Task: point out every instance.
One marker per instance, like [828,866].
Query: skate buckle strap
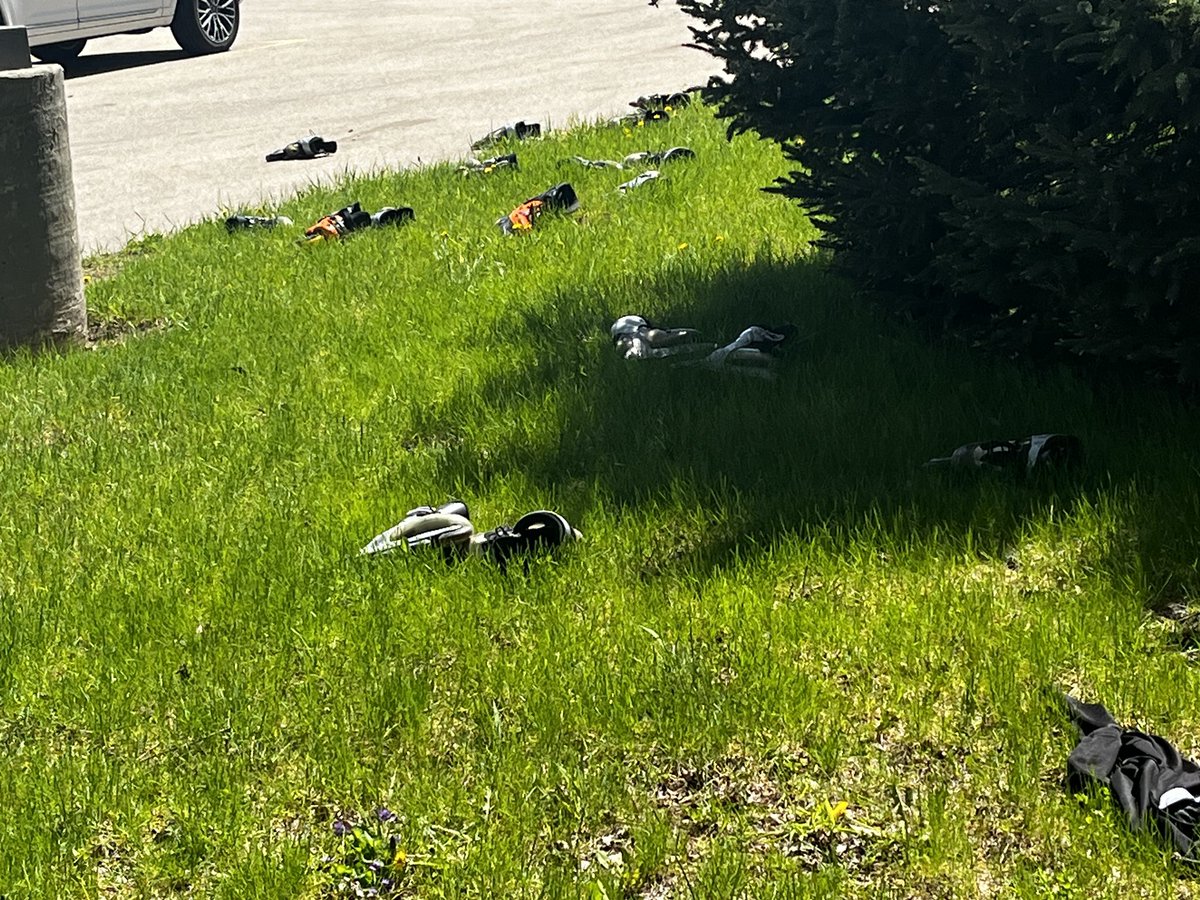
[328,227]
[523,217]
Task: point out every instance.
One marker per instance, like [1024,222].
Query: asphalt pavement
[159,140]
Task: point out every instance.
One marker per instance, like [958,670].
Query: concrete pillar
[41,282]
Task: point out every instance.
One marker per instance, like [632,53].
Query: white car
[58,29]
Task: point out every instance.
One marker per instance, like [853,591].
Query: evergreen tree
[1021,170]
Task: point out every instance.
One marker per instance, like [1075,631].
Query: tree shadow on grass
[1155,556]
[835,446]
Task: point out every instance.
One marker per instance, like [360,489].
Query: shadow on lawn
[835,445]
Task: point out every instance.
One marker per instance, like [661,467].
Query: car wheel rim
[217,19]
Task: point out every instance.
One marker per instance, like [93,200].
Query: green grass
[775,610]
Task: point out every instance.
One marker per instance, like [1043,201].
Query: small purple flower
[341,827]
[384,814]
[375,865]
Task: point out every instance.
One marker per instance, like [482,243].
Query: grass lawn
[785,661]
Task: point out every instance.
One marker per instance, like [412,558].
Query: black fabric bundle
[1152,784]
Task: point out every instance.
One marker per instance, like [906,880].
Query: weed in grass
[117,329]
[100,266]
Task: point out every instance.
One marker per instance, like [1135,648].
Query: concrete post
[41,281]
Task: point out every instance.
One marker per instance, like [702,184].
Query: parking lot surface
[159,140]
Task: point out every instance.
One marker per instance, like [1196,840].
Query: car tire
[61,53]
[206,26]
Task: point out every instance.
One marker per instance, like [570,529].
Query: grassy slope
[775,610]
